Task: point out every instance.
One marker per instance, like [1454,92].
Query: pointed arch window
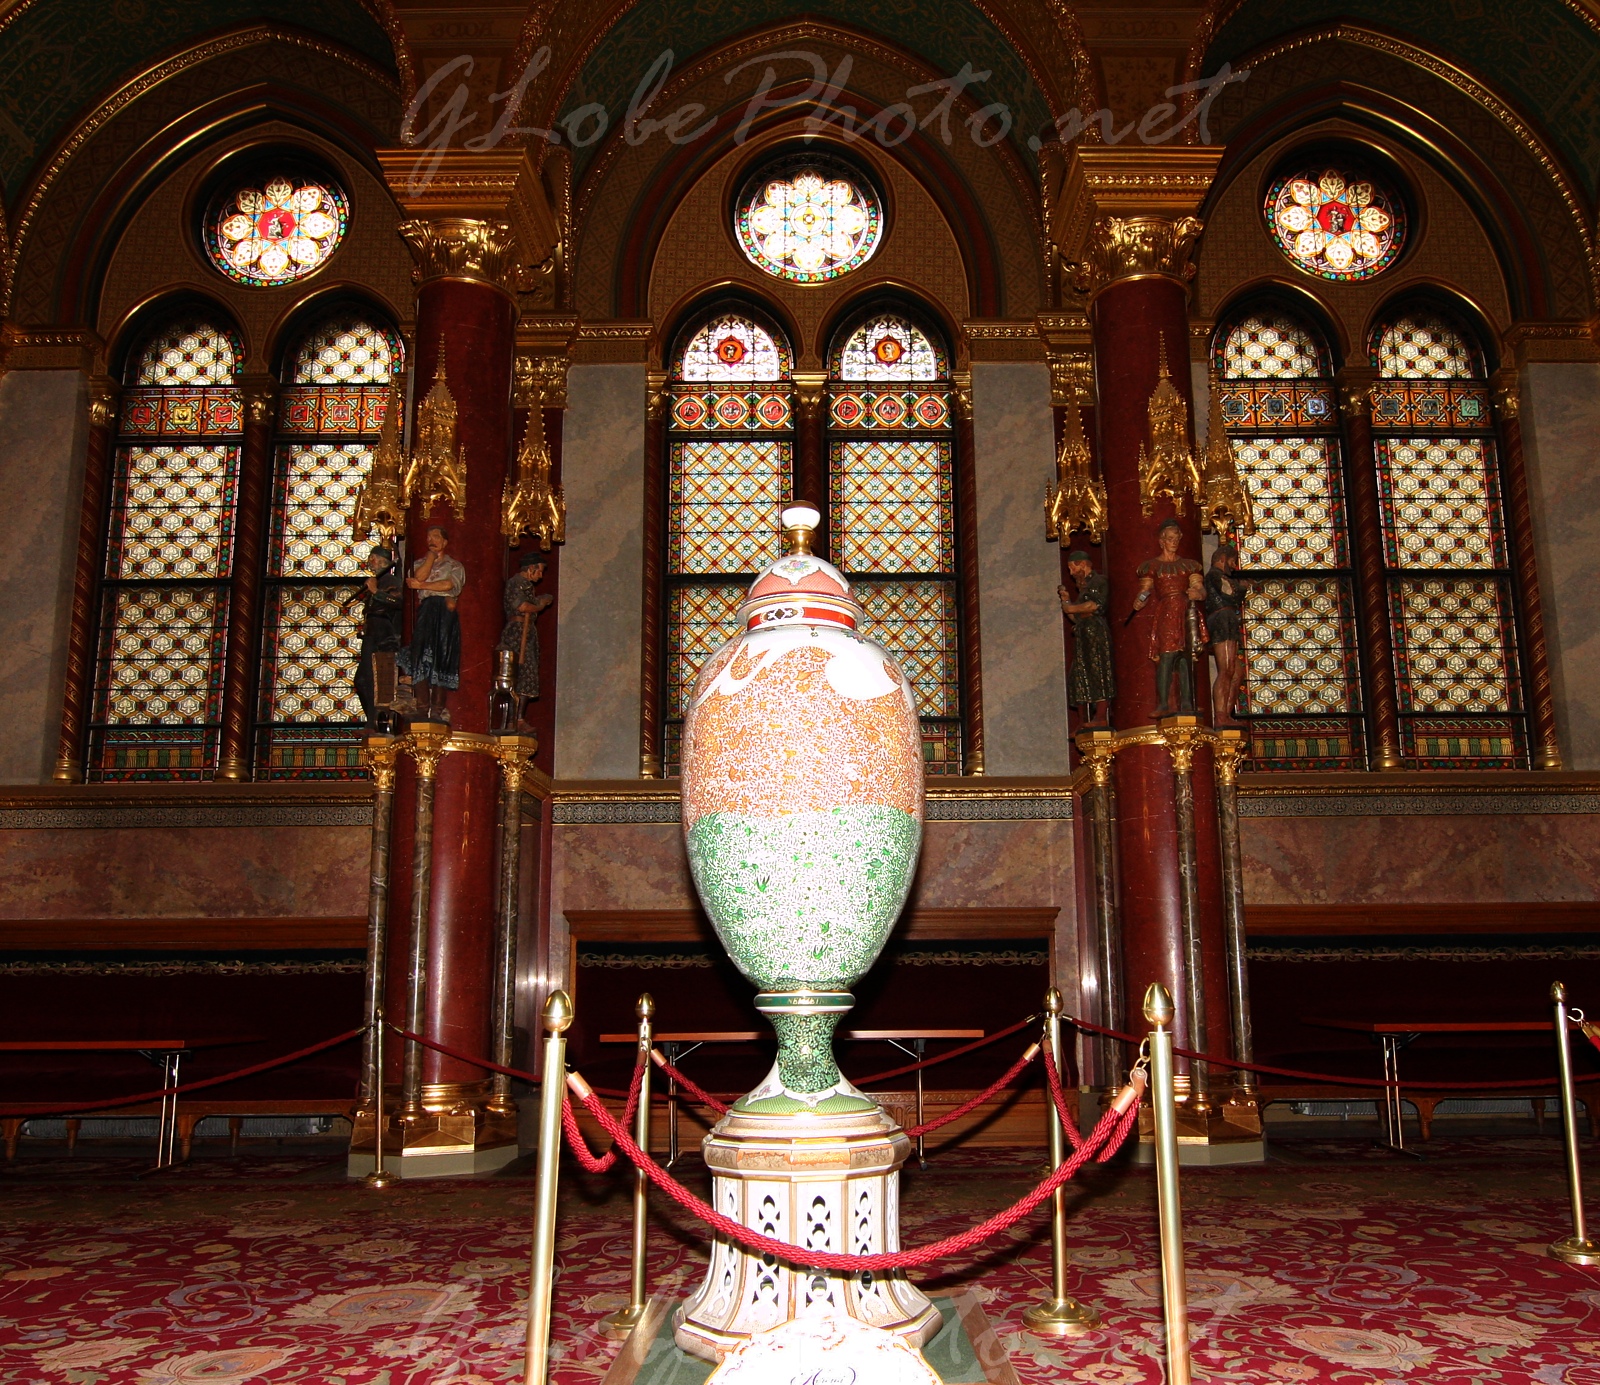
[1303,692]
[334,391]
[1445,549]
[891,510]
[157,701]
[730,458]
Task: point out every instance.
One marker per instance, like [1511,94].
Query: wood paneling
[919,925]
[183,935]
[1376,920]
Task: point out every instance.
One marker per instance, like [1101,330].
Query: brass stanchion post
[624,1320]
[541,1281]
[380,1177]
[1060,1315]
[1576,1249]
[1158,1010]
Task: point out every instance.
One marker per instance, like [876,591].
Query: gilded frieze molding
[1552,341]
[50,348]
[462,248]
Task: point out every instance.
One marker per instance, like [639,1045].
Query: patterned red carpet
[1334,1264]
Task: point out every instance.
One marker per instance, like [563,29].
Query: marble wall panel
[1024,676]
[191,872]
[597,695]
[1481,858]
[1561,437]
[43,432]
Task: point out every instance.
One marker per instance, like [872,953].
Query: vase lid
[800,587]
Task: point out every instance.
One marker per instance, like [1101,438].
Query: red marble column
[967,556]
[79,682]
[469,322]
[1132,318]
[243,656]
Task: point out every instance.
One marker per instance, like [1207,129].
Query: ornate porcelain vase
[802,809]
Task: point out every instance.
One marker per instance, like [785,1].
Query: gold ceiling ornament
[1076,500]
[1224,496]
[530,504]
[381,502]
[1167,468]
[462,247]
[436,472]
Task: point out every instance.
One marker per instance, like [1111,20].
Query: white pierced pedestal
[827,1182]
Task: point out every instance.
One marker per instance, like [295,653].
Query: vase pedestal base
[830,1182]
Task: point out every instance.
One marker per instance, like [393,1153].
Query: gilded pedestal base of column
[456,1133]
[830,1182]
[1229,1132]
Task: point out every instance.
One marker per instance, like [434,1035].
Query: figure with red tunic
[1176,629]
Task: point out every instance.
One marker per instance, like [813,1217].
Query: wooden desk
[678,1045]
[1394,1035]
[166,1054]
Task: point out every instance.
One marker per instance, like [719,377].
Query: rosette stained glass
[164,610]
[330,410]
[730,455]
[892,513]
[1450,598]
[1302,690]
[276,230]
[1336,223]
[809,221]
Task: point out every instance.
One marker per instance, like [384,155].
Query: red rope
[946,1057]
[599,1163]
[1069,1120]
[160,1092]
[1326,1076]
[1006,1079]
[484,1062]
[1592,1030]
[698,1092]
[1114,1125]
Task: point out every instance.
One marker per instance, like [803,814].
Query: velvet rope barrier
[1591,1032]
[527,1077]
[591,1162]
[118,1102]
[1104,1141]
[694,1089]
[1325,1076]
[1069,1121]
[1005,1079]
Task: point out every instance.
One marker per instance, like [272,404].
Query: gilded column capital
[1181,734]
[462,248]
[104,394]
[810,387]
[1136,247]
[1128,212]
[426,744]
[655,386]
[961,389]
[1356,383]
[382,754]
[1507,385]
[489,208]
[1229,750]
[260,396]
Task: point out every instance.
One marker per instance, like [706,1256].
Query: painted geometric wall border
[1380,805]
[1055,808]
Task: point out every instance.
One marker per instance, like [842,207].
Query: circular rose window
[276,230]
[808,220]
[1335,223]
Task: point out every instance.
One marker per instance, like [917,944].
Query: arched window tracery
[730,459]
[1445,547]
[892,510]
[157,702]
[331,405]
[1303,692]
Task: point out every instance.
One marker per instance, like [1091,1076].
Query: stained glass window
[730,451]
[891,515]
[157,703]
[808,220]
[1450,599]
[1335,222]
[1303,692]
[276,229]
[308,720]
